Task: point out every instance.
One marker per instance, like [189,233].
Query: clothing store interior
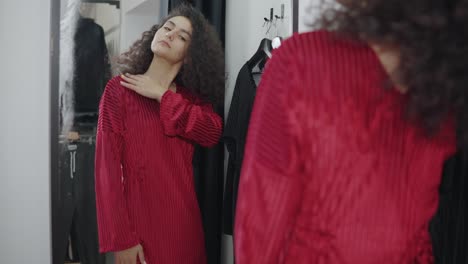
[98,170]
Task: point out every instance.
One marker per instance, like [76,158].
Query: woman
[149,120]
[339,169]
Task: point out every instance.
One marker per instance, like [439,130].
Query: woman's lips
[165,43]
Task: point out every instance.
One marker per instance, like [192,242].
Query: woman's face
[172,40]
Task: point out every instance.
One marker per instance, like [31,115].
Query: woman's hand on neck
[163,72]
[145,86]
[156,81]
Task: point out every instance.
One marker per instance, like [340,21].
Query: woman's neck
[390,60]
[163,72]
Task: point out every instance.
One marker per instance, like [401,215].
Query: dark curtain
[214,11]
[449,227]
[208,164]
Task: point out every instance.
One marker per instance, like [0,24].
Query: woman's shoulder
[321,44]
[115,87]
[310,37]
[114,91]
[320,37]
[114,83]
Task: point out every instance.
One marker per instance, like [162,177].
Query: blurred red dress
[333,172]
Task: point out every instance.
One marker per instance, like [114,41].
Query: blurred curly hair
[432,37]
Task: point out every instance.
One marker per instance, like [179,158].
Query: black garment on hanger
[75,205]
[236,127]
[92,66]
[262,54]
[235,134]
[449,227]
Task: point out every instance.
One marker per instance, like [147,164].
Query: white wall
[108,17]
[137,17]
[310,10]
[24,132]
[244,31]
[304,16]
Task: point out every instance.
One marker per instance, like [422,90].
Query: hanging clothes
[235,133]
[74,212]
[75,199]
[449,227]
[92,66]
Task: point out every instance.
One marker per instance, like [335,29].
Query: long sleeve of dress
[270,188]
[116,231]
[195,122]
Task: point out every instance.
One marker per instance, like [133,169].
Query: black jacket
[92,67]
[235,134]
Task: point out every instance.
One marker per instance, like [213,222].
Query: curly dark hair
[203,73]
[432,38]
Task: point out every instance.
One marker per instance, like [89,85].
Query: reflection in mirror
[89,44]
[125,184]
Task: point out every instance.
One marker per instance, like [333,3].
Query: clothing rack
[83,138]
[111,2]
[86,114]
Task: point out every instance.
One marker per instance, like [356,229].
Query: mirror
[132,173]
[88,48]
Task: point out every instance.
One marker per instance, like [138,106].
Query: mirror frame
[54,67]
[295,15]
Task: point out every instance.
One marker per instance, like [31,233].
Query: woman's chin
[158,52]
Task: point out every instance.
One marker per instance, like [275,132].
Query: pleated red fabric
[333,172]
[145,189]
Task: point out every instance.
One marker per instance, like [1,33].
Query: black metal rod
[111,2]
[295,18]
